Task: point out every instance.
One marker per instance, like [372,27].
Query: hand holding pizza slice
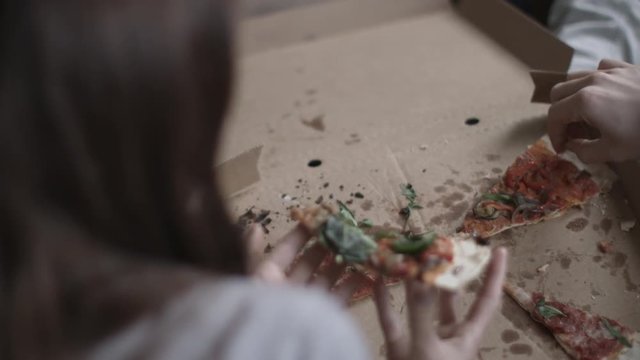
[447,262]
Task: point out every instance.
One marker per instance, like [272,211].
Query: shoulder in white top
[237,319]
[598,29]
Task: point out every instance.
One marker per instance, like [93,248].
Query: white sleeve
[240,320]
[598,29]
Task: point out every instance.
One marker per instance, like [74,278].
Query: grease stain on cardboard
[577,225]
[509,336]
[316,123]
[521,349]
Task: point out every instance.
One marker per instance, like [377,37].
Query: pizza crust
[469,260]
[601,173]
[632,353]
[553,215]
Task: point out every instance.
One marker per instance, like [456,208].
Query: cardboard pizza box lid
[370,102]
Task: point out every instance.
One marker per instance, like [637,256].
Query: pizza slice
[538,186]
[366,289]
[445,261]
[582,335]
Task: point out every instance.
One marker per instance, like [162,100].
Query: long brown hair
[109,112]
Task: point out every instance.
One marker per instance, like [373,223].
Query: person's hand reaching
[450,338]
[596,114]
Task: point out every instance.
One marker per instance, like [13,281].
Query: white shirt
[598,29]
[241,320]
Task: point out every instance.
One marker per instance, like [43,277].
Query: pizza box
[349,99]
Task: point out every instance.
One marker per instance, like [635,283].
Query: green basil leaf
[616,333]
[350,242]
[385,235]
[365,223]
[405,212]
[499,197]
[413,244]
[346,214]
[484,210]
[409,193]
[548,311]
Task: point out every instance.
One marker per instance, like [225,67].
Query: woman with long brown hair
[115,243]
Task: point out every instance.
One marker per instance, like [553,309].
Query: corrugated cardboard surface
[387,104]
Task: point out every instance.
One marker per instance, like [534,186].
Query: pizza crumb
[543,269]
[605,246]
[627,225]
[251,217]
[268,248]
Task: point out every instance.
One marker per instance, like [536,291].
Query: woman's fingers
[561,114]
[254,239]
[273,268]
[421,299]
[607,64]
[349,283]
[581,79]
[396,341]
[578,74]
[448,320]
[328,273]
[287,249]
[590,151]
[269,272]
[570,87]
[303,268]
[447,307]
[488,300]
[265,270]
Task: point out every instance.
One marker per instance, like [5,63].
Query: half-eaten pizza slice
[538,186]
[584,336]
[445,261]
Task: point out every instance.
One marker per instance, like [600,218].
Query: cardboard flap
[239,173]
[517,33]
[544,81]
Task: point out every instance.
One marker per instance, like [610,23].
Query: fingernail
[502,250]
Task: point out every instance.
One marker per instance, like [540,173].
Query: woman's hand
[316,266]
[607,100]
[450,338]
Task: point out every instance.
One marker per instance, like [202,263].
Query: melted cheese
[469,260]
